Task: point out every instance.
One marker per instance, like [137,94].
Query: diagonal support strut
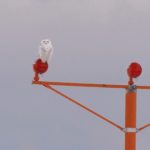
[82,106]
[145,126]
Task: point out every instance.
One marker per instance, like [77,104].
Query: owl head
[45,41]
[46,44]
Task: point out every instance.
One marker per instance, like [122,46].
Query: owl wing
[43,54]
[49,54]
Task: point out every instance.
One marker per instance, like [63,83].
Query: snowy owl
[46,50]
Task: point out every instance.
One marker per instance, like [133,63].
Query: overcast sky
[94,41]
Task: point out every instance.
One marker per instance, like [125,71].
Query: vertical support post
[36,77]
[130,118]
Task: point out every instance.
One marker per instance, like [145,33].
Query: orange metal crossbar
[145,126]
[89,85]
[143,87]
[82,106]
[80,84]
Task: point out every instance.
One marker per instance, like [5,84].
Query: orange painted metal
[145,126]
[130,120]
[82,106]
[36,77]
[130,106]
[130,141]
[76,84]
[81,84]
[143,87]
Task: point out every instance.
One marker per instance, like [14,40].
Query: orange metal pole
[130,119]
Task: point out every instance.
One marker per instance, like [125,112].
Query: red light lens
[134,70]
[40,67]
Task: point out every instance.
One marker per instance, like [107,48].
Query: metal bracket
[132,88]
[130,130]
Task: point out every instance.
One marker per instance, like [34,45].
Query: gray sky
[94,41]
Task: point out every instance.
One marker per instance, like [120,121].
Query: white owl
[46,50]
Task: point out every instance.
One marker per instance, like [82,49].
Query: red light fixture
[134,70]
[39,67]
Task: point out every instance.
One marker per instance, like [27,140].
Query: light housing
[134,70]
[40,67]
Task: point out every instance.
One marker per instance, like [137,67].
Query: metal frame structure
[130,130]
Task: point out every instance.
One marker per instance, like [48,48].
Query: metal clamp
[132,88]
[130,130]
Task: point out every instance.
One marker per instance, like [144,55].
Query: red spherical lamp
[134,70]
[39,67]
